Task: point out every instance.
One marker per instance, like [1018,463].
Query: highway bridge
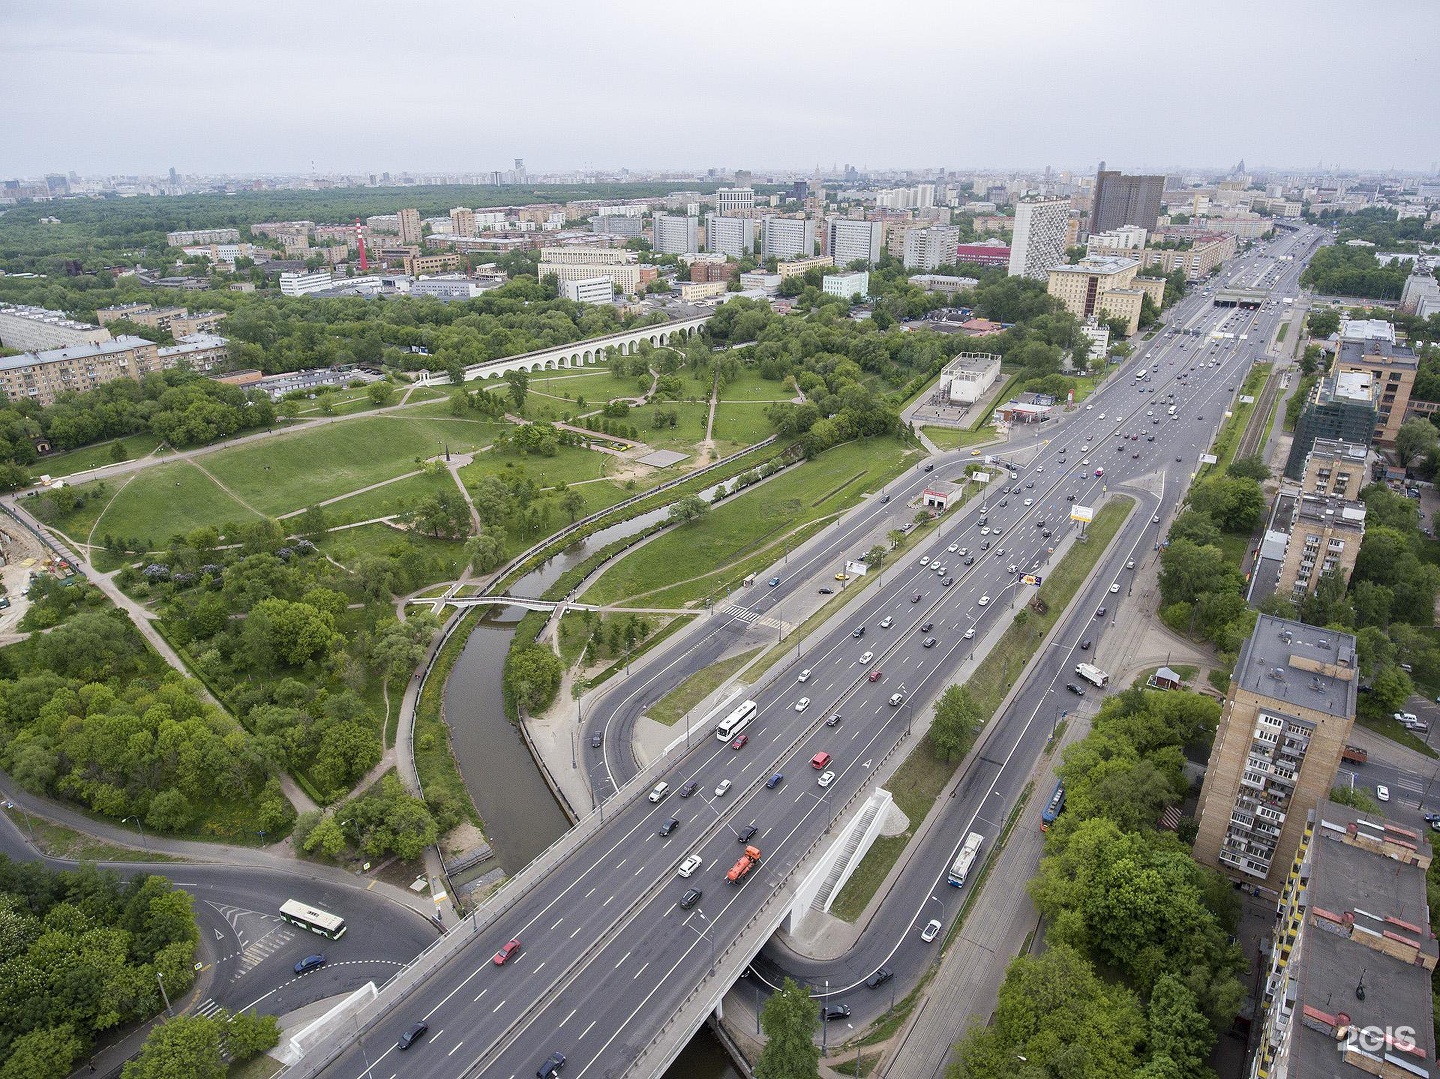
[613,971]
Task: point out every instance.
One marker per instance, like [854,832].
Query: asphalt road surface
[607,954]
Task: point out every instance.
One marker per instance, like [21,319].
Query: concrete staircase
[858,828]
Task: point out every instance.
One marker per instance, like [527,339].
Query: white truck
[1092,674]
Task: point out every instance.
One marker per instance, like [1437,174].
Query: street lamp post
[824,1018]
[160,977]
[139,828]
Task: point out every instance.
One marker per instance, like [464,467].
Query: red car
[820,760]
[506,952]
[876,674]
[740,742]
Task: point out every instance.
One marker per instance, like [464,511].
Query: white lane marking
[457,1046]
[639,972]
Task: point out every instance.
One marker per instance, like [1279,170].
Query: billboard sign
[1083,514]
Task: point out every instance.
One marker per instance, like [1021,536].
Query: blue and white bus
[1054,809]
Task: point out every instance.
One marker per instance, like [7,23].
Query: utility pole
[166,996]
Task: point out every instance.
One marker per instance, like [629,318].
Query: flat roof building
[300,284]
[786,237]
[1124,200]
[732,200]
[1038,241]
[30,328]
[202,236]
[1324,538]
[731,236]
[946,283]
[847,285]
[1342,407]
[1104,285]
[795,267]
[848,241]
[1348,981]
[964,380]
[198,351]
[43,376]
[676,235]
[1126,240]
[931,248]
[1287,716]
[984,253]
[588,290]
[1393,369]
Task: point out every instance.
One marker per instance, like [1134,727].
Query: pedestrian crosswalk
[750,617]
[257,951]
[207,1007]
[258,934]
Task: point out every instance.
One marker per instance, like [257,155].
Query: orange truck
[741,869]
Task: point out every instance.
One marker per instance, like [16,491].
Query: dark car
[1069,498]
[969,561]
[859,631]
[879,978]
[309,963]
[929,642]
[927,627]
[833,721]
[744,835]
[827,591]
[1100,613]
[947,582]
[1085,645]
[412,1035]
[670,825]
[1047,534]
[837,1011]
[690,898]
[597,740]
[551,1067]
[1073,688]
[775,780]
[689,789]
[915,598]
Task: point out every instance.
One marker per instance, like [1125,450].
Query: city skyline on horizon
[320,90]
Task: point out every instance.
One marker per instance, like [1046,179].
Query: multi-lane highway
[607,953]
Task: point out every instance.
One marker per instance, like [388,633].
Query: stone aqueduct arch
[580,354]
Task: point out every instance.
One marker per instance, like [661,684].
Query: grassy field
[59,841]
[954,438]
[740,423]
[67,464]
[687,563]
[434,764]
[353,544]
[387,500]
[162,501]
[919,780]
[1228,440]
[751,387]
[298,470]
[672,707]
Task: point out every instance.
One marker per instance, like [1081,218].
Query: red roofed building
[984,254]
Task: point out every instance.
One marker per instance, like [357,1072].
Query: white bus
[965,860]
[736,721]
[313,919]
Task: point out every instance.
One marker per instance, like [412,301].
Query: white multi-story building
[202,236]
[588,290]
[676,235]
[846,285]
[965,379]
[929,249]
[31,329]
[732,200]
[1126,240]
[1038,241]
[787,237]
[576,264]
[729,235]
[298,284]
[847,240]
[949,285]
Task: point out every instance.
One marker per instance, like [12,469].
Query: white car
[925,560]
[953,548]
[826,778]
[984,601]
[886,622]
[722,788]
[866,658]
[931,930]
[1029,502]
[1114,588]
[804,675]
[1102,415]
[658,791]
[802,704]
[970,634]
[1382,792]
[1089,408]
[940,571]
[985,531]
[689,865]
[1086,461]
[1085,448]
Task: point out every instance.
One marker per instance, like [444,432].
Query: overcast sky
[255,86]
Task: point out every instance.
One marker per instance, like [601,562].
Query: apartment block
[1038,242]
[1127,240]
[198,351]
[462,221]
[177,321]
[630,226]
[299,284]
[1348,979]
[795,267]
[787,237]
[763,280]
[1285,720]
[417,264]
[1335,468]
[701,272]
[43,376]
[1204,255]
[732,236]
[676,235]
[409,227]
[690,291]
[1393,368]
[846,285]
[929,249]
[1342,407]
[1104,285]
[734,200]
[848,241]
[575,264]
[1124,200]
[30,328]
[1324,538]
[588,290]
[202,236]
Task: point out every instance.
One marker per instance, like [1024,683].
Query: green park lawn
[751,387]
[158,503]
[387,500]
[570,464]
[67,464]
[355,544]
[747,532]
[741,423]
[954,438]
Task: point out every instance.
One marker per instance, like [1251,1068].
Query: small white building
[300,284]
[1099,335]
[588,290]
[847,285]
[764,280]
[966,378]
